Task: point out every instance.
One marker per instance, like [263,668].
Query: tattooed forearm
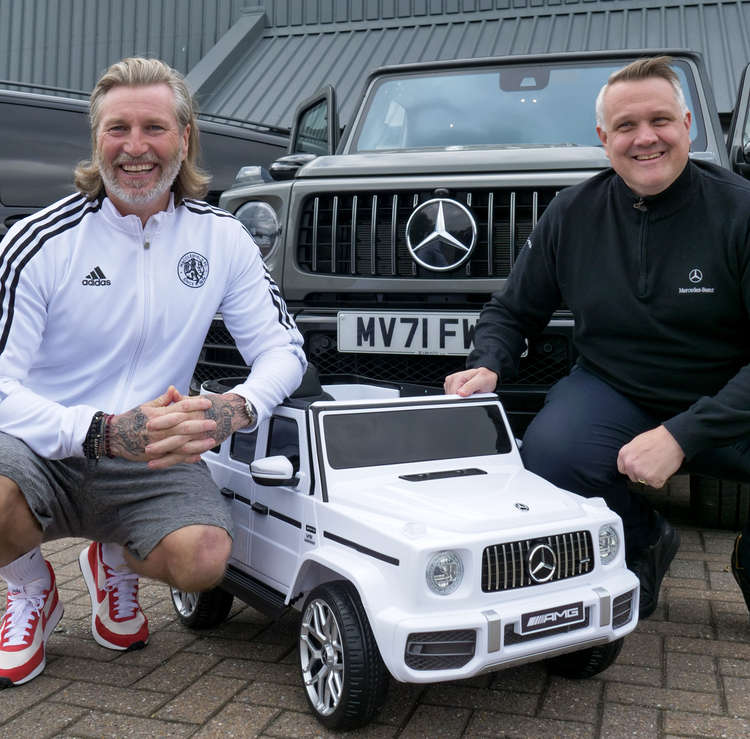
[229,413]
[129,435]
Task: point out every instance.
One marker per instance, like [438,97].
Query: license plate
[407,333]
[553,618]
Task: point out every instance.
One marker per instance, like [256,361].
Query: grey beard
[140,197]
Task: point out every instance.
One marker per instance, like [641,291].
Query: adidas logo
[96,278]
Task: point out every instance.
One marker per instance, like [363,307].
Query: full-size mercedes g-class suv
[407,532]
[386,250]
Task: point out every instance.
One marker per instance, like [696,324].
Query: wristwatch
[252,414]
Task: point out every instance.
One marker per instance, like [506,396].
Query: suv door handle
[260,508]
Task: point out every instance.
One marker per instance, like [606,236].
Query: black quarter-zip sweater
[660,291]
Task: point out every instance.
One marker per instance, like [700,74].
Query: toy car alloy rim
[184,602]
[321,656]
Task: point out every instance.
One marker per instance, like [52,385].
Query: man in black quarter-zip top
[652,258]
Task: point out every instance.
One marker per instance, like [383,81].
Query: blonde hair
[191,180]
[641,69]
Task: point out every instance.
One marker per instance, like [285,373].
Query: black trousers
[574,441]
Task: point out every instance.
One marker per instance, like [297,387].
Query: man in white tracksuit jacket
[105,299]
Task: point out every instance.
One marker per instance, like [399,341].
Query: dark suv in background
[43,137]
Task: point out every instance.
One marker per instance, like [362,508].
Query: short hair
[642,69]
[191,180]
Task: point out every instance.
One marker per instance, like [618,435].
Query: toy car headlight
[609,544]
[261,221]
[444,573]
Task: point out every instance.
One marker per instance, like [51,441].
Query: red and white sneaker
[30,618]
[117,621]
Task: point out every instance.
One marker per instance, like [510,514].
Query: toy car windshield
[368,438]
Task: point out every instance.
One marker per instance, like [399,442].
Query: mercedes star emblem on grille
[441,234]
[542,563]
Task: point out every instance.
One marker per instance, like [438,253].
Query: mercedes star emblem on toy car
[441,234]
[542,563]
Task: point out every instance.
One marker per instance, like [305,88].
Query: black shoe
[653,563]
[740,572]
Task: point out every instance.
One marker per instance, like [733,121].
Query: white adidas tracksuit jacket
[98,312]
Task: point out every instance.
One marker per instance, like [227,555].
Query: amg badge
[553,618]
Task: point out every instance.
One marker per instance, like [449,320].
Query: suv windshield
[370,438]
[512,105]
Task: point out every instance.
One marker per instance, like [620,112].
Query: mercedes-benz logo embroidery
[695,275]
[441,234]
[542,563]
[192,269]
[521,506]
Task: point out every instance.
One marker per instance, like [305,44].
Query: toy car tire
[342,671]
[585,662]
[202,610]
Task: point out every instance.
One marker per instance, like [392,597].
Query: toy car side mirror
[270,471]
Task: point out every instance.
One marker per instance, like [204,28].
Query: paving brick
[691,569]
[288,697]
[231,648]
[575,700]
[619,722]
[105,673]
[291,725]
[734,667]
[238,720]
[438,722]
[683,700]
[201,700]
[695,724]
[737,690]
[108,698]
[176,674]
[400,702]
[709,646]
[525,679]
[641,649]
[41,722]
[161,646]
[689,611]
[668,628]
[20,699]
[491,700]
[484,723]
[248,669]
[114,725]
[632,674]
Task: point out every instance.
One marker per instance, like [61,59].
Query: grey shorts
[113,499]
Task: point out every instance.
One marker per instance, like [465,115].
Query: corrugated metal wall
[69,43]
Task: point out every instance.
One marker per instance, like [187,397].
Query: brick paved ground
[684,672]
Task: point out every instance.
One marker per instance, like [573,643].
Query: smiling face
[646,135]
[139,147]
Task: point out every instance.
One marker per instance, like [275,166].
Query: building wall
[69,43]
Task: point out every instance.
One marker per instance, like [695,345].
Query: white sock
[114,556]
[28,568]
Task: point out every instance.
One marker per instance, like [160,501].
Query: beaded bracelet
[92,443]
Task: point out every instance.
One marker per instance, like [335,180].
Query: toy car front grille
[622,609]
[506,566]
[440,650]
[363,234]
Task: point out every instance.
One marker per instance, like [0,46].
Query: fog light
[609,544]
[445,570]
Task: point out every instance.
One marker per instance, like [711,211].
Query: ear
[687,120]
[602,134]
[185,142]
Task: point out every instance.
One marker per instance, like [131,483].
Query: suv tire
[342,671]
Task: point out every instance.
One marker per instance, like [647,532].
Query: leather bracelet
[108,435]
[93,442]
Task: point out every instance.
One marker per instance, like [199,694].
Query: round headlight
[261,221]
[445,570]
[609,544]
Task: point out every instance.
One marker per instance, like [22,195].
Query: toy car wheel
[343,673]
[202,610]
[586,662]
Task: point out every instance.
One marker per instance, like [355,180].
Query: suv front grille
[364,234]
[506,566]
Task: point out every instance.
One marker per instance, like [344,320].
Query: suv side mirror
[273,471]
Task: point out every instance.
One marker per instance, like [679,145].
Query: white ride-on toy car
[413,541]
